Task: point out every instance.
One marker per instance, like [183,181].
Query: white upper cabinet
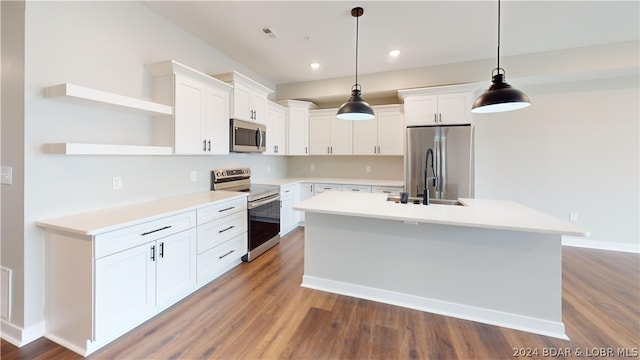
[249,98]
[201,111]
[297,126]
[329,135]
[382,136]
[276,122]
[437,106]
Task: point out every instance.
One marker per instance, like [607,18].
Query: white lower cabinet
[391,190]
[320,188]
[132,284]
[356,188]
[288,195]
[101,286]
[222,238]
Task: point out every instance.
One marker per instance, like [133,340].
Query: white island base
[496,276]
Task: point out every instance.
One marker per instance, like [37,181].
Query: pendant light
[356,108]
[500,96]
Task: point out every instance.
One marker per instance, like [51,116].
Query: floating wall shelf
[106,149]
[113,101]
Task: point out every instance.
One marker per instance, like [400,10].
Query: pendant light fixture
[500,96]
[356,108]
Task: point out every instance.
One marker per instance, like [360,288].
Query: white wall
[574,150]
[101,45]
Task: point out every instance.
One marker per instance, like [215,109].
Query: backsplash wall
[350,167]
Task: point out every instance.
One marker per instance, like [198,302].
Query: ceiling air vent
[268,32]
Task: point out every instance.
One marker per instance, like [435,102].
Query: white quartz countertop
[101,221]
[371,182]
[492,214]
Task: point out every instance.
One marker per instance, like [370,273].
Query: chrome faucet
[425,199]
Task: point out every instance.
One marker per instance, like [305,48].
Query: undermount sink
[418,200]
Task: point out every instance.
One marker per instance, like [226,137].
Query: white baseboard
[18,336]
[486,316]
[600,245]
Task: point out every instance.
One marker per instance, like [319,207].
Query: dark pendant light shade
[356,108]
[500,96]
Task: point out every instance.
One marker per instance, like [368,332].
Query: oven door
[247,136]
[264,224]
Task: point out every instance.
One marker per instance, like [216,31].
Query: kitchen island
[496,262]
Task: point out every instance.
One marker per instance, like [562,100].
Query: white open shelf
[103,99]
[106,149]
[111,100]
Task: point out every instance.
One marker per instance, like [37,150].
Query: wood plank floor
[259,311]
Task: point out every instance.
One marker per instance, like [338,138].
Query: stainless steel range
[263,203]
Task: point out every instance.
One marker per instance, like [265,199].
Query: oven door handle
[255,204]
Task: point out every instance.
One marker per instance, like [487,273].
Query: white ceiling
[426,32]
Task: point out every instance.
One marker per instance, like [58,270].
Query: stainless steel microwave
[246,136]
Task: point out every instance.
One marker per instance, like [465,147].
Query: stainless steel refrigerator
[450,169]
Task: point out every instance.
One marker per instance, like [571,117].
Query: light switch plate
[194,176]
[6,175]
[117,183]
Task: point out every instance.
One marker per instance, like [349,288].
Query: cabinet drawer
[218,210]
[132,236]
[357,188]
[212,263]
[320,188]
[216,232]
[392,190]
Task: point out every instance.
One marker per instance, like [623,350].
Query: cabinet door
[275,120]
[176,266]
[365,136]
[124,289]
[259,107]
[215,122]
[188,114]
[287,217]
[241,102]
[390,133]
[306,191]
[341,136]
[298,131]
[420,110]
[455,108]
[319,134]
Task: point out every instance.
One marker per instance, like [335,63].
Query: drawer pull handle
[227,209]
[355,189]
[225,255]
[156,230]
[223,230]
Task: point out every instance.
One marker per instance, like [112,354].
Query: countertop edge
[372,212]
[57,223]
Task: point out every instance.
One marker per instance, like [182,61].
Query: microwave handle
[260,139]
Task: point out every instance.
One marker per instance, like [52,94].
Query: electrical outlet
[7,175]
[368,169]
[573,216]
[117,183]
[313,167]
[194,176]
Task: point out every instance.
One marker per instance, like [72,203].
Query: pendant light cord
[498,37]
[357,27]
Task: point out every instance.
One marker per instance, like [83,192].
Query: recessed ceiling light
[394,53]
[314,65]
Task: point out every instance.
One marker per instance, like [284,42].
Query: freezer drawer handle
[227,254]
[156,230]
